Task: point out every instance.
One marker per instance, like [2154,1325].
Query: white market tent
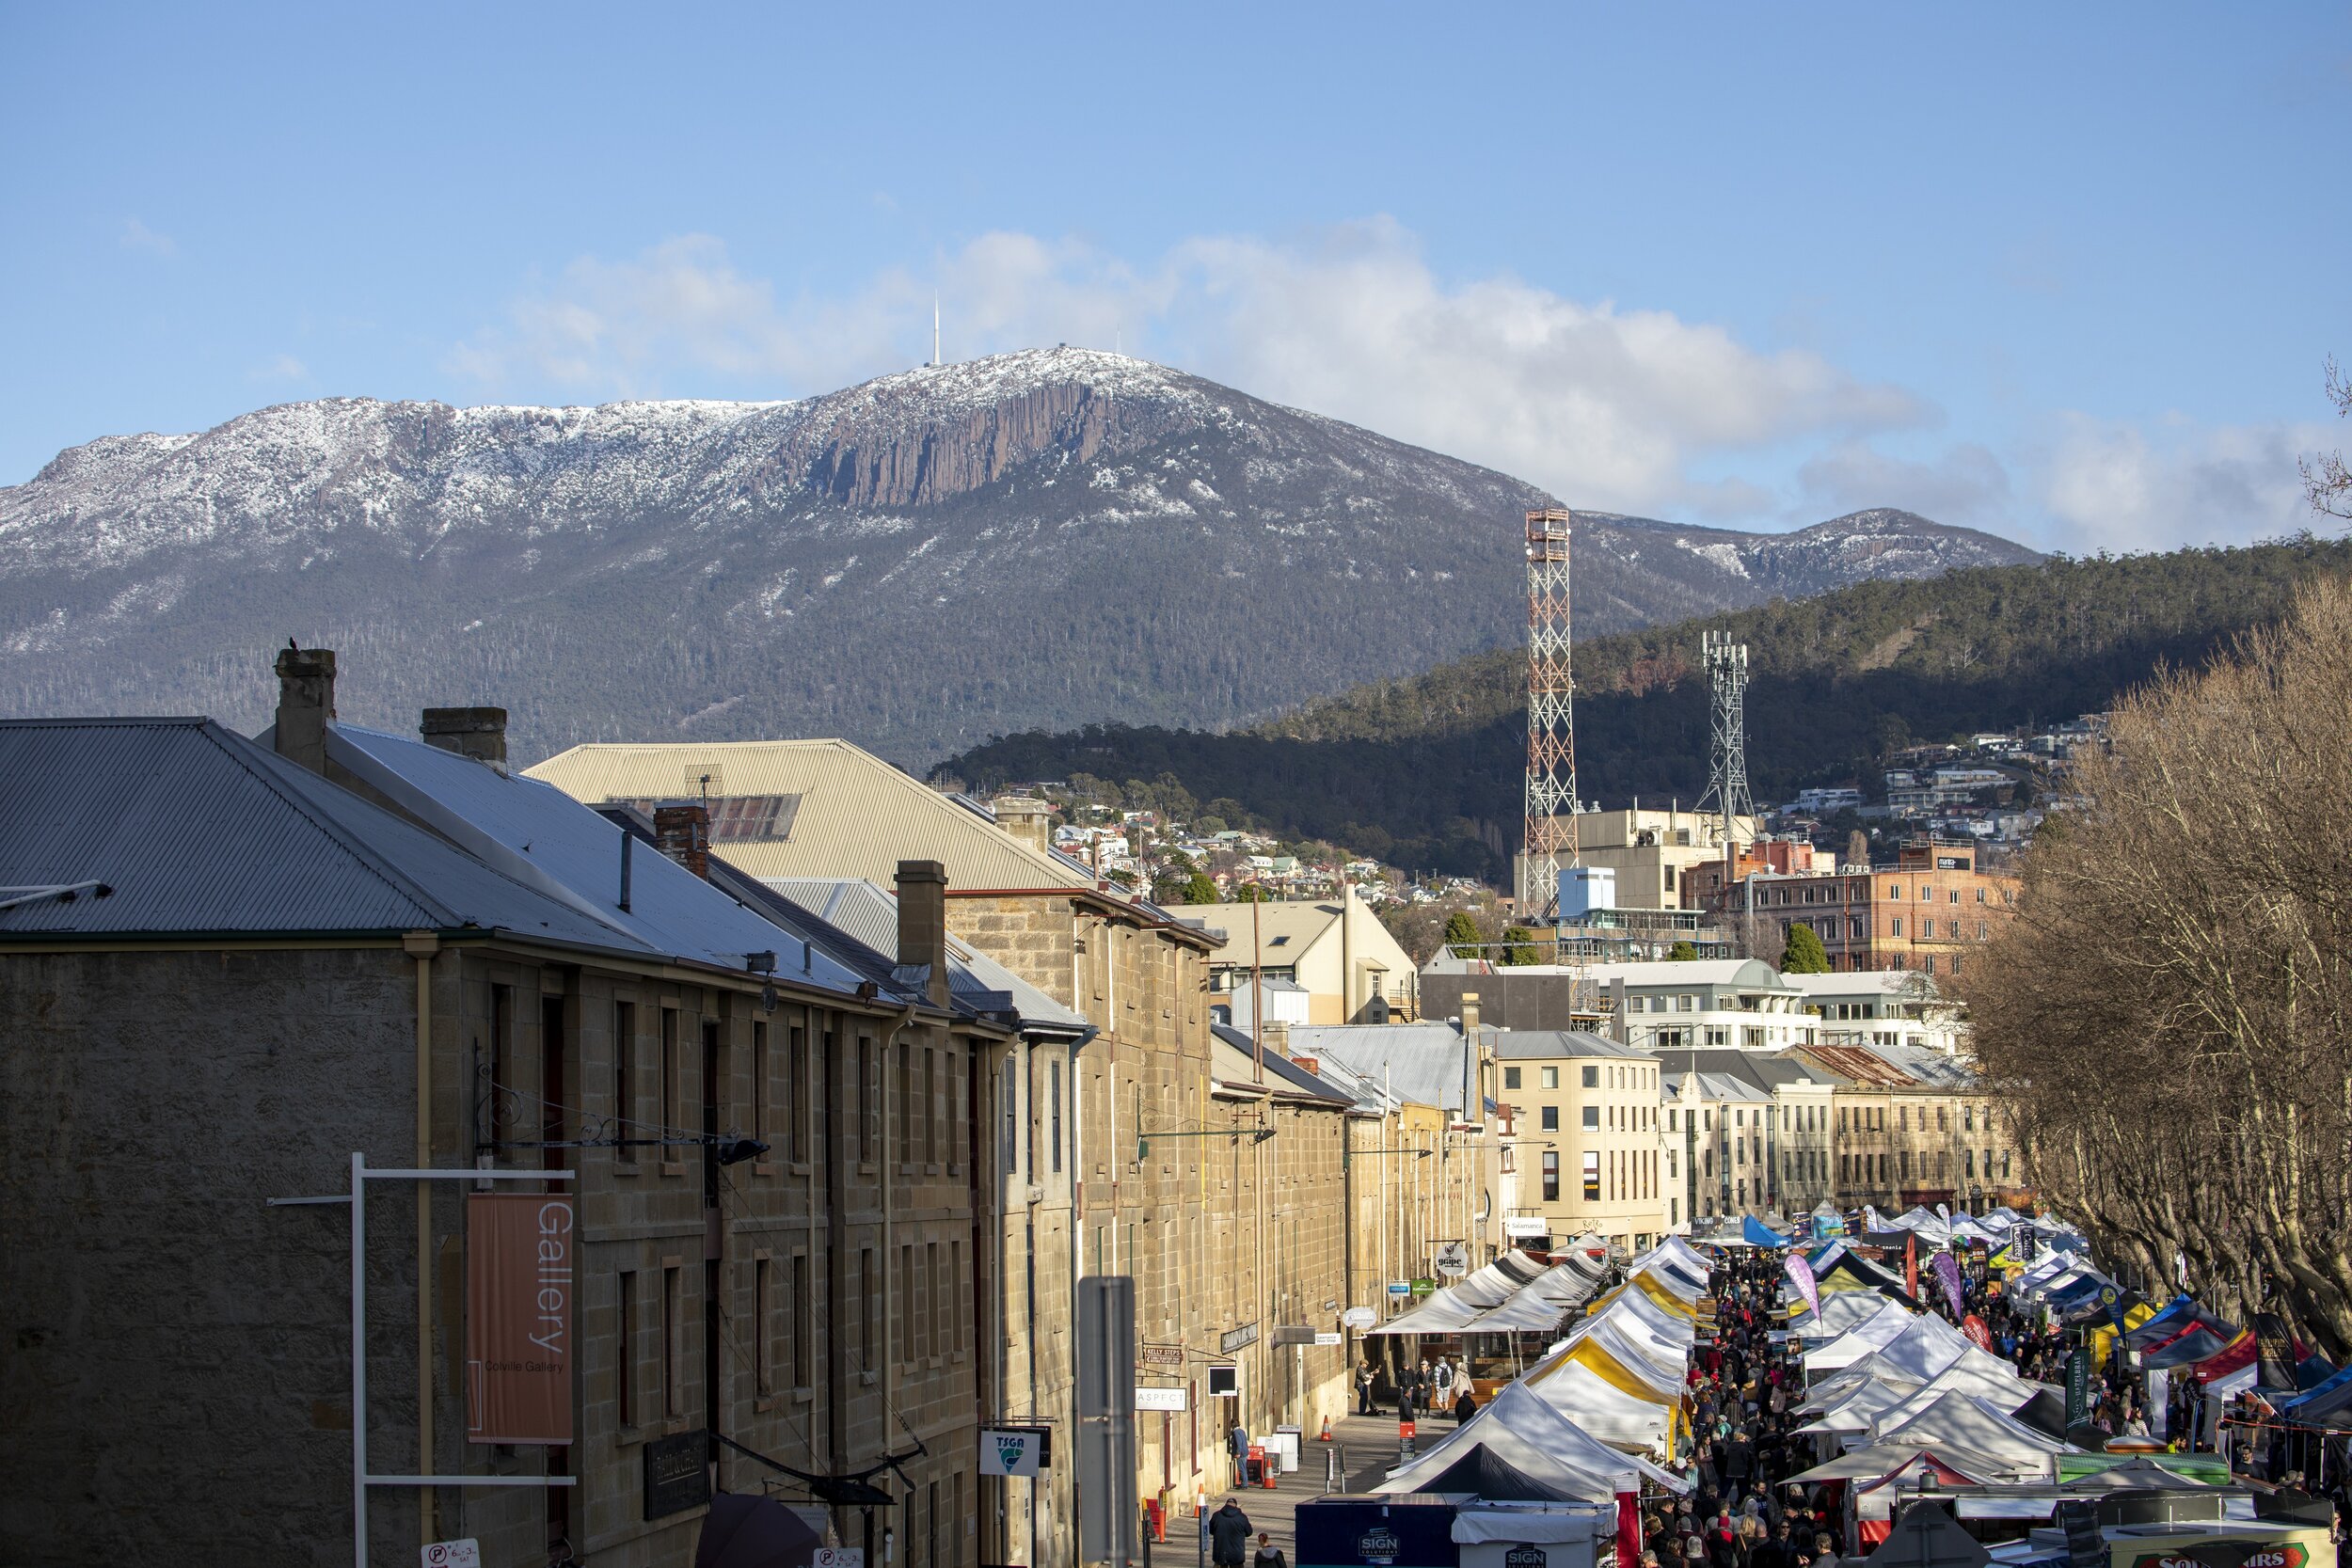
[1866,1339]
[1448,1312]
[1966,1422]
[1532,1436]
[1844,1310]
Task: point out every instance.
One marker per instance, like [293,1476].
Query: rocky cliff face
[1034,539]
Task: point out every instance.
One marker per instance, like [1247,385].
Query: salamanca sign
[519,1317]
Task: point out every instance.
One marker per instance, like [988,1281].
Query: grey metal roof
[1423,1063]
[870,914]
[543,838]
[1754,1067]
[198,831]
[1283,1073]
[1529,1044]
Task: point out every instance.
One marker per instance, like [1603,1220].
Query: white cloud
[284,367]
[2117,487]
[1609,407]
[137,236]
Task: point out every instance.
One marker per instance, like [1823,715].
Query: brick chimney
[479,733]
[1026,819]
[923,924]
[1309,1064]
[683,834]
[306,701]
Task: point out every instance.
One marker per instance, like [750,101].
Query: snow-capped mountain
[1042,538]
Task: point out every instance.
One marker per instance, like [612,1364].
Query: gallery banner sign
[519,1285]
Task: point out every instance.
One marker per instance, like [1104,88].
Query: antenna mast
[1728,755]
[1551,715]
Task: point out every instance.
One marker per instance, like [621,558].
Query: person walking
[1238,1440]
[1444,1379]
[1464,1406]
[1363,1388]
[1825,1552]
[1269,1555]
[1229,1535]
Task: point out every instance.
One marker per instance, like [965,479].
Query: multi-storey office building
[1582,1138]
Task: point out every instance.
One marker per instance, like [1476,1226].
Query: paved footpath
[1368,1445]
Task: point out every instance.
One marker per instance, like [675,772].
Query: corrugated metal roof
[1237,1059]
[1423,1063]
[870,914]
[1520,1045]
[542,837]
[859,817]
[201,831]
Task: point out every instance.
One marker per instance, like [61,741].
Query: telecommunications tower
[1551,715]
[1728,755]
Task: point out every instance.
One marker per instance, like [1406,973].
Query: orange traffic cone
[1327,1431]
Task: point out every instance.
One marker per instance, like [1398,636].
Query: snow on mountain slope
[934,556]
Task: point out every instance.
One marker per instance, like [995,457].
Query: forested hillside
[1426,772]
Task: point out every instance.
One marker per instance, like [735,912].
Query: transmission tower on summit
[1726,665]
[1552,801]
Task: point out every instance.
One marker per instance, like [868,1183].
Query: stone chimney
[1026,819]
[1470,1015]
[923,924]
[1619,1030]
[479,733]
[306,701]
[1277,1037]
[683,834]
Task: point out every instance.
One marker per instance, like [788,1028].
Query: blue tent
[1759,1234]
[2157,1330]
[2323,1392]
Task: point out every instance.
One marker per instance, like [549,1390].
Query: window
[1550,1118]
[796,1094]
[1510,1078]
[624,1073]
[1927,930]
[503,1105]
[1012,1116]
[1592,1119]
[935,1300]
[1669,1118]
[868,1331]
[671,1309]
[1980,930]
[1943,1121]
[669,1112]
[804,1341]
[1552,1176]
[1633,1005]
[1894,890]
[1547,1078]
[902,1108]
[930,1106]
[763,1332]
[760,1081]
[1592,1077]
[1055,1141]
[1592,1176]
[904,1298]
[1955,895]
[869,1135]
[1928,967]
[628,1338]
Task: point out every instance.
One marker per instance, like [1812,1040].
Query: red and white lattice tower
[1550,716]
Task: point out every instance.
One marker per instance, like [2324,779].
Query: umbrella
[744,1531]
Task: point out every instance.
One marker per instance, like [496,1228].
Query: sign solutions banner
[519,1317]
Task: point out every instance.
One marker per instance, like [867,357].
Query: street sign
[1400,1287]
[1359,1317]
[1234,1338]
[1425,1286]
[453,1554]
[1293,1334]
[1015,1451]
[1163,1356]
[1331,1338]
[839,1557]
[1527,1226]
[678,1474]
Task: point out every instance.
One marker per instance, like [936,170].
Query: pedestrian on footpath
[1269,1555]
[1363,1388]
[1229,1535]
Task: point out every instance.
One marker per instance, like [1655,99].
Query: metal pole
[358,1359]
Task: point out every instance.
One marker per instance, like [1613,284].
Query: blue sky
[2067,273]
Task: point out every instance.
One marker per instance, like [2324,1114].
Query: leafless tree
[2168,1021]
[2326,479]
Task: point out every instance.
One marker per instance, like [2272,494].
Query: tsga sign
[1011,1451]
